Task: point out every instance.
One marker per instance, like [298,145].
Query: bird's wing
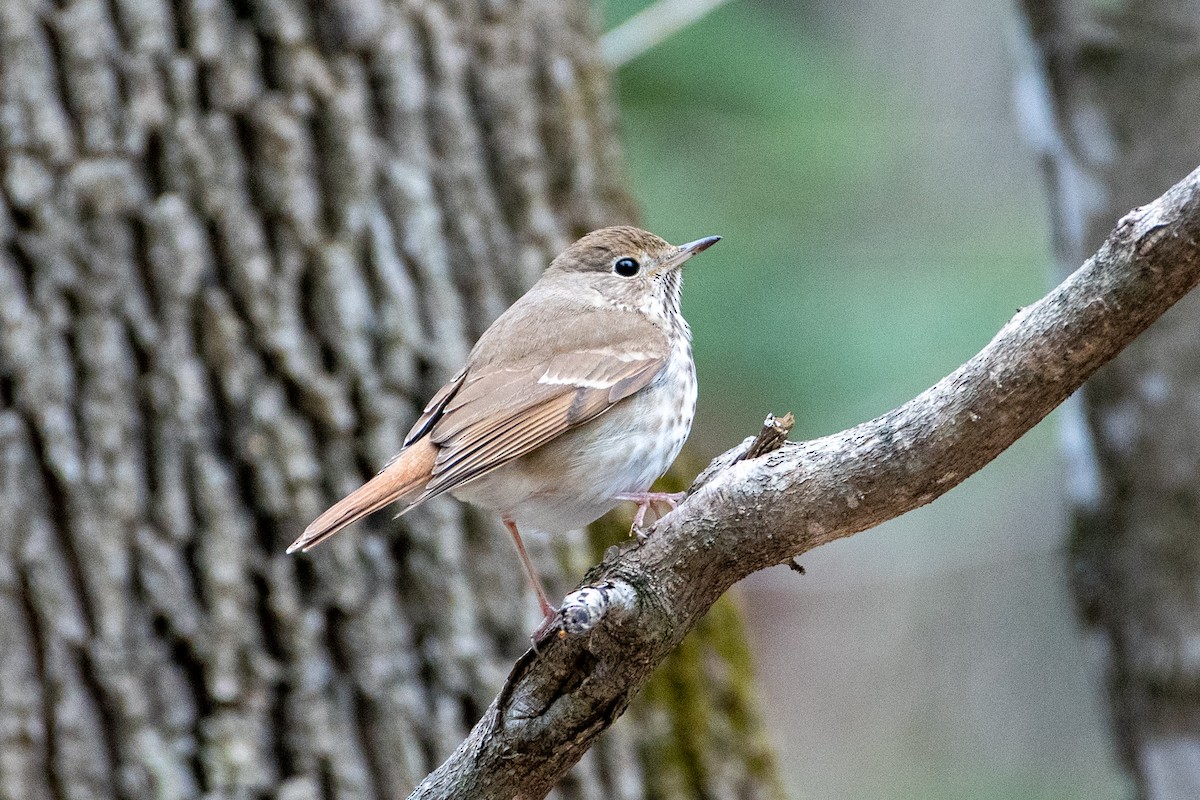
[435,407]
[501,413]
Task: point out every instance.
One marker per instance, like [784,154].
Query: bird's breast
[572,480]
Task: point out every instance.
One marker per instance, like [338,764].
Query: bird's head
[628,265]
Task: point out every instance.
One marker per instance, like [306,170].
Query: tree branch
[651,27]
[744,514]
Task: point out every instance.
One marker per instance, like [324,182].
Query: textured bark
[745,514]
[240,243]
[1111,95]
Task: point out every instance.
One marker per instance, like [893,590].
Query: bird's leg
[646,499]
[548,611]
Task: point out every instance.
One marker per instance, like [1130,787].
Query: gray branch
[745,514]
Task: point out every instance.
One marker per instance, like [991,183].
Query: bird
[578,397]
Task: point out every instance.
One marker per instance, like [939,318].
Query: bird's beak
[686,251]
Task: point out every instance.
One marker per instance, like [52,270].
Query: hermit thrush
[577,397]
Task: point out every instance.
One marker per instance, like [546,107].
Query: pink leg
[646,499]
[547,610]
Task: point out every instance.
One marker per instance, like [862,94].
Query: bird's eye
[626,267]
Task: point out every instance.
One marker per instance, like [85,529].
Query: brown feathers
[402,479]
[505,414]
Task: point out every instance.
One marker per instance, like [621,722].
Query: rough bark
[1111,95]
[240,243]
[745,514]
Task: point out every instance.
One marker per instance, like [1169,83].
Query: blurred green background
[882,222]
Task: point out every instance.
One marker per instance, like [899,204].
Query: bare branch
[744,514]
[652,26]
[774,433]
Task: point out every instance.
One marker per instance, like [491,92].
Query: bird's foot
[543,631]
[644,501]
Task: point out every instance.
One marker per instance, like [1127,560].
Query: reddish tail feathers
[403,479]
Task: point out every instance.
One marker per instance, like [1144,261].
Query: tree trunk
[1112,98]
[242,243]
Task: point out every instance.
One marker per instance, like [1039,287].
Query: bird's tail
[403,479]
